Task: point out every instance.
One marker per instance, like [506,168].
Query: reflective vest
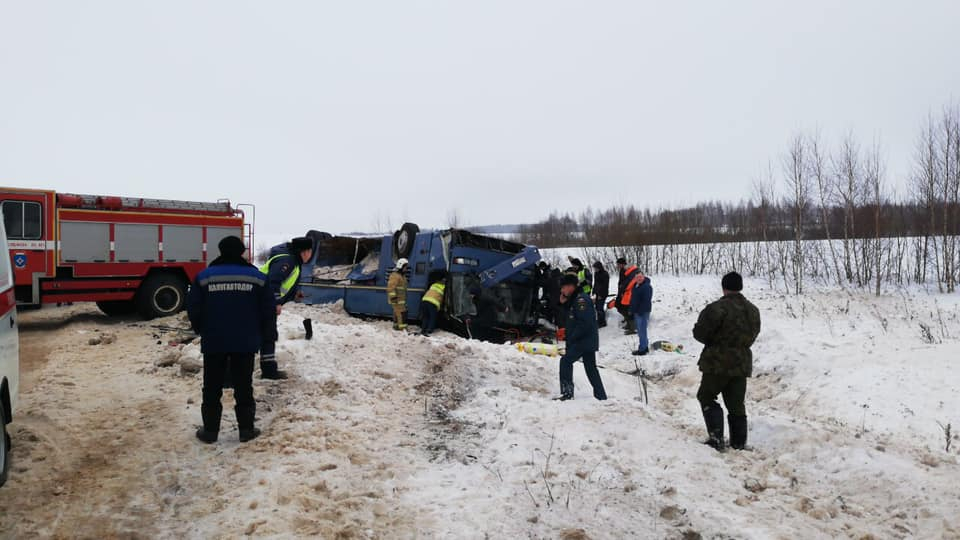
[291,281]
[628,293]
[582,276]
[434,294]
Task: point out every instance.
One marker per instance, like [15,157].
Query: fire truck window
[32,221]
[13,219]
[23,220]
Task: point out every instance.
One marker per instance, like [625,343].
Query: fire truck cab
[126,254]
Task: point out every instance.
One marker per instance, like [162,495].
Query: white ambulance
[9,354]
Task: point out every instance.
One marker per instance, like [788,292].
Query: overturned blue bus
[355,270]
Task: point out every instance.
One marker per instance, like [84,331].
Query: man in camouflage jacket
[727,328]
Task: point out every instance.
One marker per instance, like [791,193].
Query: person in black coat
[553,292]
[601,289]
[232,307]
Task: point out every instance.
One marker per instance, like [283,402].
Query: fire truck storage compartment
[84,242]
[215,235]
[182,243]
[136,243]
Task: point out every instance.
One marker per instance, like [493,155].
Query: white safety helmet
[402,263]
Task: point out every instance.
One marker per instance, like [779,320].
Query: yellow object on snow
[546,349]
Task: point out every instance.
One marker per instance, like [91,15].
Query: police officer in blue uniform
[283,277]
[583,339]
[231,307]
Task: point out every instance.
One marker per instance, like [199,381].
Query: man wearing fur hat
[283,278]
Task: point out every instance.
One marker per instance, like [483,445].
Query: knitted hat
[231,247]
[732,282]
[569,279]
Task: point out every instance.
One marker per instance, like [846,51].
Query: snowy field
[387,435]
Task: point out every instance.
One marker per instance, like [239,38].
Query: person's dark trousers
[589,365]
[601,311]
[734,391]
[629,324]
[214,373]
[428,318]
[268,351]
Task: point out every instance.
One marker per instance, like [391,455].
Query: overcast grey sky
[330,114]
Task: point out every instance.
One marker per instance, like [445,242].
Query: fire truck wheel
[4,447]
[161,295]
[115,308]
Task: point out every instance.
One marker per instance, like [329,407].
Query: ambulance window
[23,220]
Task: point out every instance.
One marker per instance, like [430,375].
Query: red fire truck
[126,254]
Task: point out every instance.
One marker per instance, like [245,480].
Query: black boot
[206,437]
[738,432]
[211,413]
[566,393]
[641,352]
[713,418]
[268,370]
[247,435]
[308,328]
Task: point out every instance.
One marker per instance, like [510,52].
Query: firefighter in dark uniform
[283,277]
[583,339]
[231,307]
[727,328]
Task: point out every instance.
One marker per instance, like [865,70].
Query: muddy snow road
[386,435]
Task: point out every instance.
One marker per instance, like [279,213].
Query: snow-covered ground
[390,435]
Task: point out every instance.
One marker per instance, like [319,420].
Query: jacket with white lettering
[231,307]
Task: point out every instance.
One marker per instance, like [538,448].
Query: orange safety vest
[628,292]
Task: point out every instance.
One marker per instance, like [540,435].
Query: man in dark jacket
[553,291]
[727,328]
[231,307]
[583,341]
[283,277]
[625,283]
[641,304]
[601,289]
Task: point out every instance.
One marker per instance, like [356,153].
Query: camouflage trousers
[733,389]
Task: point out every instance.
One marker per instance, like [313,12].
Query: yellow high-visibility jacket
[434,294]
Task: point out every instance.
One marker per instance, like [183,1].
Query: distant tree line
[828,214]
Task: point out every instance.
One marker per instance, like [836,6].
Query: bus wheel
[161,295]
[116,308]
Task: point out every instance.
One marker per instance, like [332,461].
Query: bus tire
[161,295]
[403,240]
